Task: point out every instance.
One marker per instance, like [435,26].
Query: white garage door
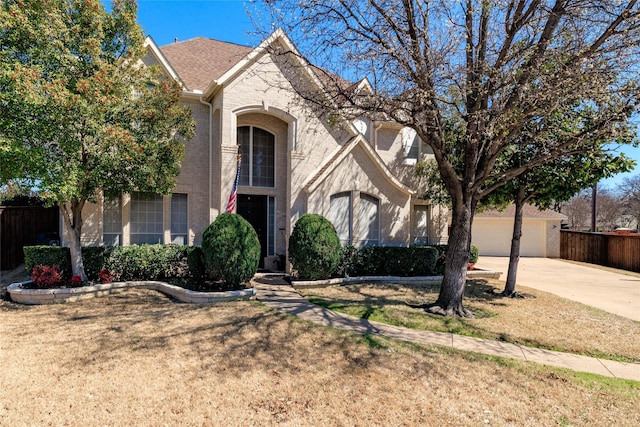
[493,237]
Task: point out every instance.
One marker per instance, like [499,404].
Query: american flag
[231,205]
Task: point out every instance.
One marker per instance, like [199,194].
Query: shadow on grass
[235,337]
[396,307]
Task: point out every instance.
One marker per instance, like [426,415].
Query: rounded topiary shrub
[231,250]
[314,248]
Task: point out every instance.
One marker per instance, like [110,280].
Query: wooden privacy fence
[609,249]
[19,227]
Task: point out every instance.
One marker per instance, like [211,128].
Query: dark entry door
[254,210]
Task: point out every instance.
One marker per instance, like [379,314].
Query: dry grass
[543,320]
[138,358]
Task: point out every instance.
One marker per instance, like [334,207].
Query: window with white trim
[361,228]
[179,224]
[340,216]
[146,219]
[421,215]
[368,221]
[112,222]
[258,157]
[410,145]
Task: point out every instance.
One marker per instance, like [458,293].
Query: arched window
[258,157]
[340,216]
[361,228]
[368,221]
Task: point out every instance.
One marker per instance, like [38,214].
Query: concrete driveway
[605,289]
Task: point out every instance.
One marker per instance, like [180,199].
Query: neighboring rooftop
[529,211]
[201,60]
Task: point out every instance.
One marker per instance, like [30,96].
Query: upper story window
[258,157]
[410,145]
[363,126]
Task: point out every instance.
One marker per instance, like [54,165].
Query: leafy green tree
[493,68]
[79,112]
[544,186]
[551,183]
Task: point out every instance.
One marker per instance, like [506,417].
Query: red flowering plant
[45,276]
[105,276]
[75,281]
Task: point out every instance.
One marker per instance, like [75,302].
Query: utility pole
[594,197]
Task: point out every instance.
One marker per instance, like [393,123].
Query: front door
[254,210]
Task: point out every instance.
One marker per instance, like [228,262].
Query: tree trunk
[72,215]
[449,302]
[514,255]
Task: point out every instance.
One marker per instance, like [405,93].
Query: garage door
[493,237]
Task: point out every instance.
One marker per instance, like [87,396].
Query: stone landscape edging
[22,295]
[415,280]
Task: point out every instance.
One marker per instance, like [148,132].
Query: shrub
[45,276]
[147,262]
[231,250]
[314,247]
[105,276]
[474,254]
[350,261]
[48,256]
[389,261]
[92,257]
[75,281]
[195,263]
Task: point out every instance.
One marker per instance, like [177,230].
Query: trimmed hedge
[144,262]
[147,262]
[231,250]
[314,247]
[92,257]
[388,261]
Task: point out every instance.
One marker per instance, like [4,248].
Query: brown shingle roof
[201,60]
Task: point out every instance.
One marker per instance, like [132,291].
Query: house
[492,232]
[294,160]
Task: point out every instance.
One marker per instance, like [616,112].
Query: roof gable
[325,170]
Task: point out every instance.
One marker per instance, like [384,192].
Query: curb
[21,295]
[415,280]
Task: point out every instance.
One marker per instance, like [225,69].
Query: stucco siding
[358,174]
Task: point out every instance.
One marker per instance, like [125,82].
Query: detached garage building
[492,231]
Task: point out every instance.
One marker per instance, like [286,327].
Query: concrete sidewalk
[606,289]
[275,293]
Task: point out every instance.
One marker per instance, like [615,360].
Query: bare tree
[578,210]
[610,209]
[473,77]
[630,195]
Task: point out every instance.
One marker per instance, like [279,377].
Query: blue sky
[228,20]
